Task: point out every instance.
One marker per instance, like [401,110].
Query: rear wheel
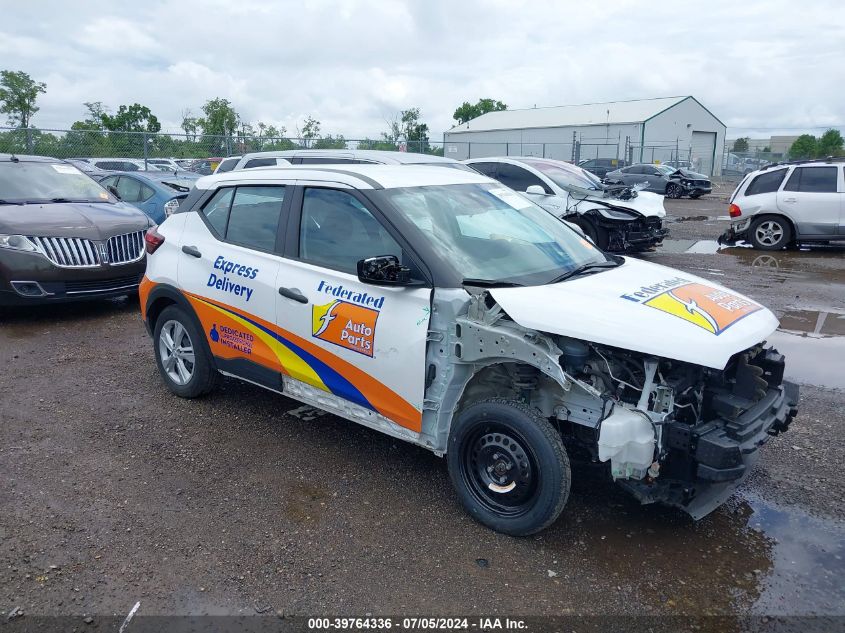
[508,466]
[770,233]
[182,354]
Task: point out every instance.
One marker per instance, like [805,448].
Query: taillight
[152,240]
[734,211]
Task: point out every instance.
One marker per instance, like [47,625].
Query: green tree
[805,146]
[330,142]
[468,111]
[310,131]
[219,124]
[830,144]
[133,118]
[414,130]
[18,94]
[190,125]
[741,144]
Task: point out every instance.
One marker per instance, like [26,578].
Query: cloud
[353,64]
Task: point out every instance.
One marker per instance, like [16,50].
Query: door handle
[293,293]
[790,200]
[193,251]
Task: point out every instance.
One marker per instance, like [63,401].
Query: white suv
[791,202]
[444,309]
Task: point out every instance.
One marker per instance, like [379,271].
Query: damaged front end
[627,230]
[707,425]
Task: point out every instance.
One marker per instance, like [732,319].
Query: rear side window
[766,182]
[314,160]
[812,180]
[247,215]
[131,190]
[217,210]
[227,165]
[260,162]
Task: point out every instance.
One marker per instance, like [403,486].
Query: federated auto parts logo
[349,322]
[711,309]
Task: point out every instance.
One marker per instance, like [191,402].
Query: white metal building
[645,130]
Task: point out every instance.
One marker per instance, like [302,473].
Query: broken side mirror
[384,270]
[535,190]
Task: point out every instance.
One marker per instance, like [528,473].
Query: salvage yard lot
[115,491]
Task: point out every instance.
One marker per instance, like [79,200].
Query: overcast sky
[761,66]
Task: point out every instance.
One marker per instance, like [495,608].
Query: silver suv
[803,201]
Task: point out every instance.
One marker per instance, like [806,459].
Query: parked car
[669,181]
[121,164]
[615,218]
[165,164]
[801,201]
[62,236]
[600,166]
[157,194]
[342,156]
[227,164]
[520,341]
[87,168]
[205,166]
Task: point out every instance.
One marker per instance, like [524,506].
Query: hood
[646,308]
[647,203]
[93,221]
[686,173]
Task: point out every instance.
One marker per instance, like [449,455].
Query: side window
[766,182]
[129,189]
[488,169]
[648,170]
[111,181]
[812,180]
[517,178]
[216,211]
[254,216]
[260,162]
[636,169]
[336,231]
[227,165]
[146,193]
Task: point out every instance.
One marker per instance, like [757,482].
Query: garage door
[702,149]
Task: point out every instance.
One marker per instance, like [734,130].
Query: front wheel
[596,233]
[674,190]
[508,466]
[182,355]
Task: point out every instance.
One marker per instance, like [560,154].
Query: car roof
[382,156]
[29,159]
[156,176]
[355,175]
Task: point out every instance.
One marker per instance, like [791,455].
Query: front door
[228,269]
[363,343]
[810,198]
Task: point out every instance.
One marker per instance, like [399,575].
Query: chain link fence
[144,145]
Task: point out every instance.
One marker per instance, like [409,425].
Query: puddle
[813,342]
[807,561]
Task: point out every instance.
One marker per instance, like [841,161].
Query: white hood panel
[646,308]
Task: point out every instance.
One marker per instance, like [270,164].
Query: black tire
[695,196]
[770,233]
[503,443]
[674,191]
[596,233]
[203,374]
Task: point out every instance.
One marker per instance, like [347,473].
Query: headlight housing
[616,214]
[17,243]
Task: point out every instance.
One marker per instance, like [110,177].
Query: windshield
[565,175]
[45,182]
[488,232]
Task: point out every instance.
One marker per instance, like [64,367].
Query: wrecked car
[668,180]
[443,309]
[616,218]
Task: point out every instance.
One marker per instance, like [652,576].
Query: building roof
[635,111]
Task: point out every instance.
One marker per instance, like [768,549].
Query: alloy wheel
[769,233]
[177,352]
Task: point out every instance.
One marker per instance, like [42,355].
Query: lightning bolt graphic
[327,318]
[693,308]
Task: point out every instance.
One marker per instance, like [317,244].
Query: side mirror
[383,270]
[535,190]
[113,191]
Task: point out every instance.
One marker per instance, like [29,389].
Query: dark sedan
[670,181]
[601,166]
[62,236]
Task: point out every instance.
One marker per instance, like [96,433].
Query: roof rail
[829,159]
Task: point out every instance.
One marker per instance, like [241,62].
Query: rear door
[227,270]
[362,343]
[811,198]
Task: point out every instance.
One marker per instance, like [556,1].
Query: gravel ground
[114,491]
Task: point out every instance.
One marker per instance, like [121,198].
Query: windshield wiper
[584,269]
[490,283]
